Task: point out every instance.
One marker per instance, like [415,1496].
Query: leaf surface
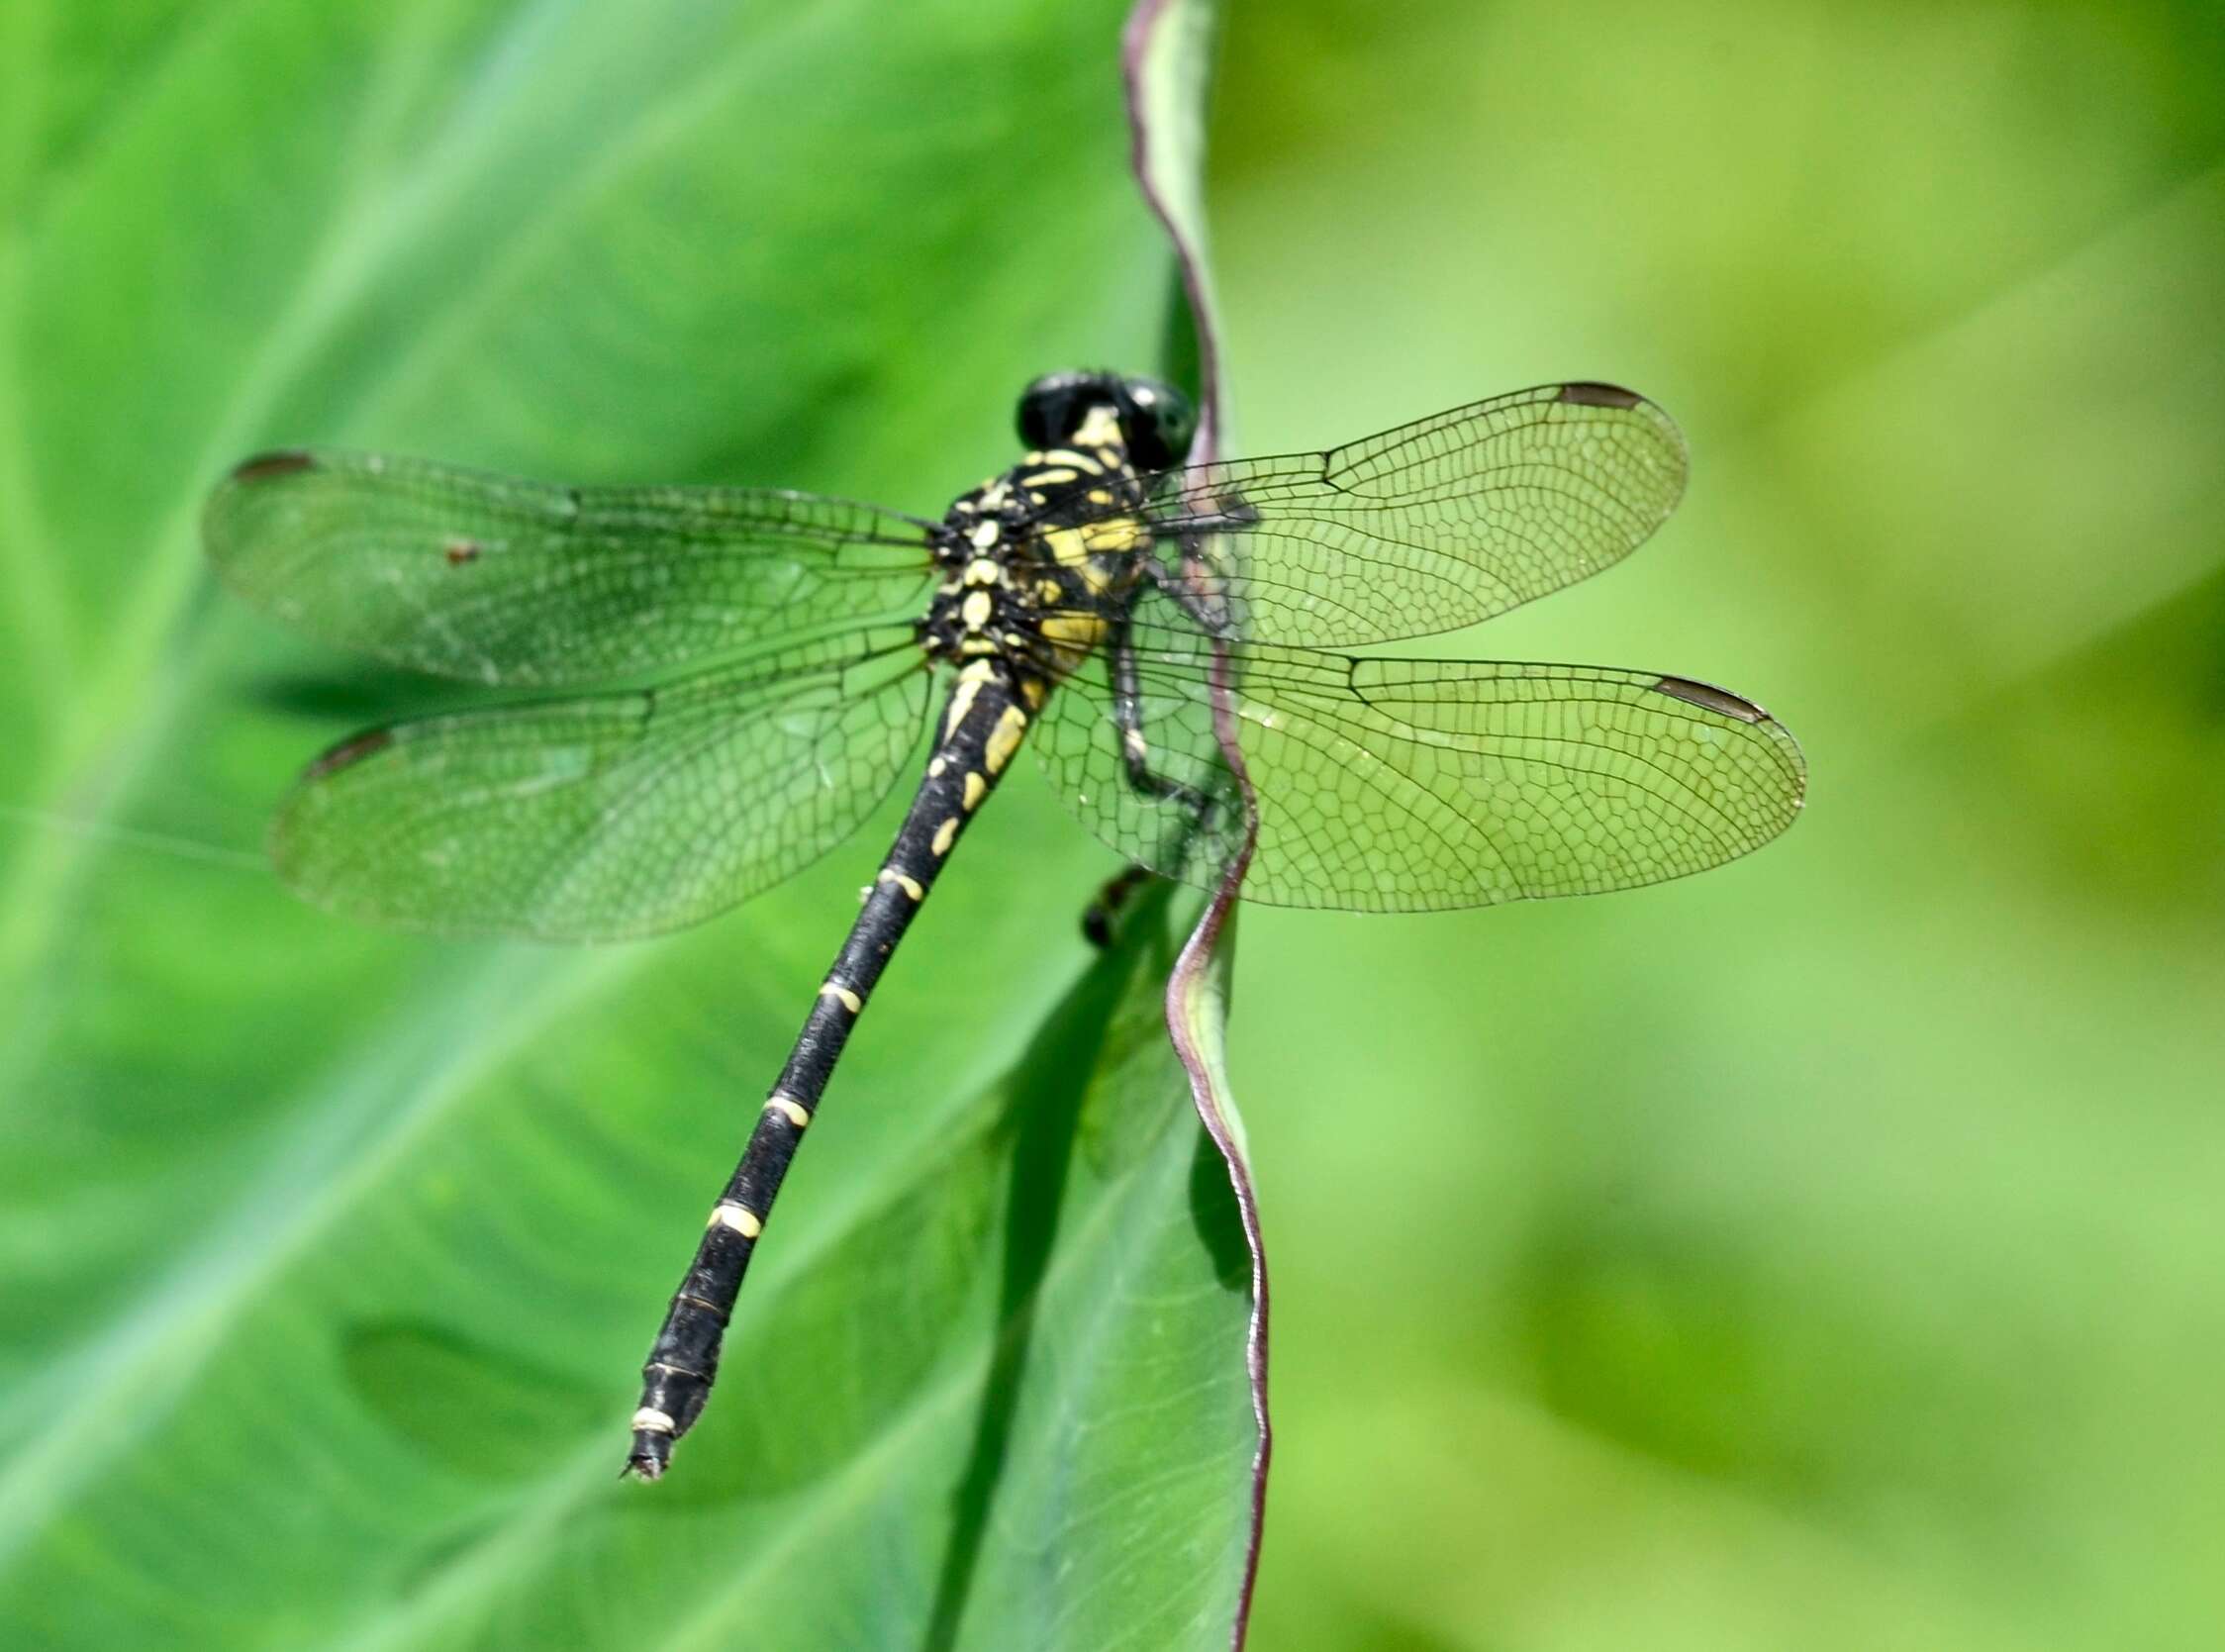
[332,1254]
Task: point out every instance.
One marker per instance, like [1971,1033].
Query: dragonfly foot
[1100,919]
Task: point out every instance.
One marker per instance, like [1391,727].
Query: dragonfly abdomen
[981,727]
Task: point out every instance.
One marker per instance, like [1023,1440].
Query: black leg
[1100,919]
[1206,607]
[1135,744]
[1198,806]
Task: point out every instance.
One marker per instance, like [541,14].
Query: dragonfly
[721,683]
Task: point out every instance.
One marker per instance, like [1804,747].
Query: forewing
[612,816]
[500,581]
[1422,785]
[1427,528]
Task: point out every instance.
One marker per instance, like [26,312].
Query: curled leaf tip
[1164,51]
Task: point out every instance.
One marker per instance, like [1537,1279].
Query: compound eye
[1156,417]
[1044,406]
[1161,423]
[1178,428]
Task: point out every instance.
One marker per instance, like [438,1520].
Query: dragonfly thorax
[1033,559]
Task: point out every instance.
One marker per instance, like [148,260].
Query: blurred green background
[1822,1254]
[1828,1251]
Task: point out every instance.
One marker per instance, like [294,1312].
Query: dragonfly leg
[1204,607]
[1100,919]
[1135,744]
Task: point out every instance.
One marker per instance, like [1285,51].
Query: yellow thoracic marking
[1077,461]
[975,610]
[983,570]
[1067,547]
[1098,496]
[842,995]
[1034,690]
[1115,535]
[1078,547]
[1102,428]
[976,789]
[1051,474]
[937,764]
[740,1218]
[963,695]
[910,885]
[1048,591]
[1004,739]
[945,835]
[985,534]
[1072,636]
[795,1111]
[650,1421]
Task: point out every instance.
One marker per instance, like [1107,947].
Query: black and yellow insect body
[731,679]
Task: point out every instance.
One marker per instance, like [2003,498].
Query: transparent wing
[500,581]
[1390,785]
[613,816]
[1424,528]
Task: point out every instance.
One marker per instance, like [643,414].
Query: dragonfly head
[1156,420]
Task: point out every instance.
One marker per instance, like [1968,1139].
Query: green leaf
[332,1254]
